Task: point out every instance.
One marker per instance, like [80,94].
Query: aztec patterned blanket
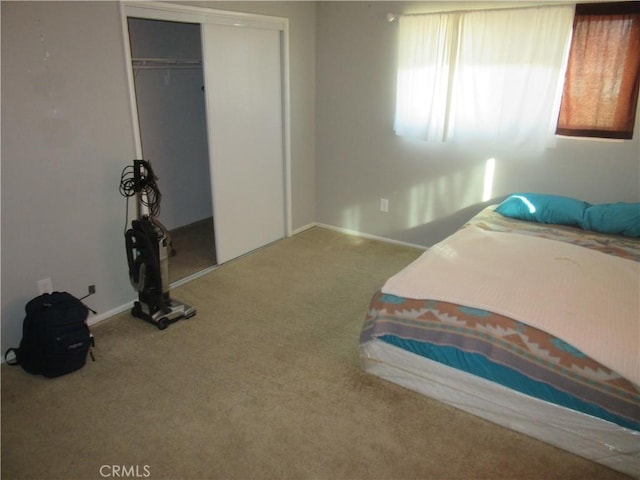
[508,351]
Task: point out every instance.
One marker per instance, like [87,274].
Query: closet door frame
[201,15]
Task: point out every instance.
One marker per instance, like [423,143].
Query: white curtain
[426,46]
[482,76]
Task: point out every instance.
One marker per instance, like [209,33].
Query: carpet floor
[194,249]
[263,383]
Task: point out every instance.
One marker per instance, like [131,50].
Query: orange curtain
[603,72]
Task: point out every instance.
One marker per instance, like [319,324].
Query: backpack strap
[15,357]
[93,344]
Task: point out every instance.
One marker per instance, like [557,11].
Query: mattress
[504,351]
[581,434]
[510,354]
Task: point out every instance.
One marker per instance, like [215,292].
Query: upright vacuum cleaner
[148,249]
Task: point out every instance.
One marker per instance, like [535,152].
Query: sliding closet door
[243,89]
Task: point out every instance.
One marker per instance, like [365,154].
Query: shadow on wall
[437,208]
[430,233]
[424,200]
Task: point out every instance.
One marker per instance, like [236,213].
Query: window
[482,76]
[603,72]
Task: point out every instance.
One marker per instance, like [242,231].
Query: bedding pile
[548,310]
[571,292]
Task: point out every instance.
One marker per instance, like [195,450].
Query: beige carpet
[263,383]
[194,247]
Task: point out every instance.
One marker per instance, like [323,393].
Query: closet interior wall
[168,77]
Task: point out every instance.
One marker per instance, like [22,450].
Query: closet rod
[166,63]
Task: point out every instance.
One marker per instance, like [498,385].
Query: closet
[169,89]
[238,136]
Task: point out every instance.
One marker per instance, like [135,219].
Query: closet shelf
[166,63]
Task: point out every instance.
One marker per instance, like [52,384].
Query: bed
[527,316]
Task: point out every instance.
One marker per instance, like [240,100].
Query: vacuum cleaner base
[165,316]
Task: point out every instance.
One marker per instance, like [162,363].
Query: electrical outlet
[45,286]
[92,289]
[384,205]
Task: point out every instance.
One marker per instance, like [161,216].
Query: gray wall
[67,134]
[431,189]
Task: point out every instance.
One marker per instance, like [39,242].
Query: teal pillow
[543,208]
[614,218]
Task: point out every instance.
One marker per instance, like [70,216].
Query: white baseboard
[93,319]
[355,233]
[302,229]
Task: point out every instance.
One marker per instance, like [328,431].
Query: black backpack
[55,336]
